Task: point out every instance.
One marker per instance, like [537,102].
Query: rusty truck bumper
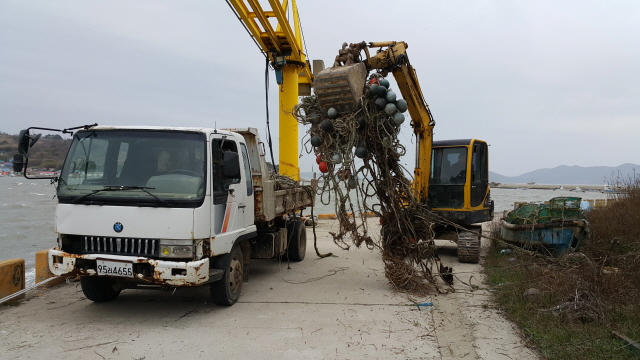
[145,270]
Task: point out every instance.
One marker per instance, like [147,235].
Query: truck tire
[226,291]
[98,289]
[297,237]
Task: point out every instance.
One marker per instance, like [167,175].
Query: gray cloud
[545,83]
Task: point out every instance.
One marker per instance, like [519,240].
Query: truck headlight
[176,248]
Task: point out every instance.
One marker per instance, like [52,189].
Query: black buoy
[316,141]
[361,151]
[326,125]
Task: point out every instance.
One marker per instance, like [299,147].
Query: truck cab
[170,207]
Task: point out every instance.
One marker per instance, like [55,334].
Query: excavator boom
[341,87]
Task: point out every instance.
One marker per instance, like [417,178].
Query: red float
[324,168]
[319,159]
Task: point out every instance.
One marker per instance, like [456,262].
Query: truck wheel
[297,237]
[226,291]
[98,289]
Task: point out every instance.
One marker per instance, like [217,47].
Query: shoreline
[569,187]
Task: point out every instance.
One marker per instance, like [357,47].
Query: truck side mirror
[23,142]
[230,164]
[26,141]
[18,162]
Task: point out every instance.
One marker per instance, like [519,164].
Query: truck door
[229,195]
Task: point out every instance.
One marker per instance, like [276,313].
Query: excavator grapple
[341,87]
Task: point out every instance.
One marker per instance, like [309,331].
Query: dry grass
[584,296]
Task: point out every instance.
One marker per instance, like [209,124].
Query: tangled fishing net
[359,155]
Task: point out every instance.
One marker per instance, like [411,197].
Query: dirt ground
[333,308]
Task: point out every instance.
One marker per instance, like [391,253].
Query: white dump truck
[144,207]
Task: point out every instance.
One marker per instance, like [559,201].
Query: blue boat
[556,228]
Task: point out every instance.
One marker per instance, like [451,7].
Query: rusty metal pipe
[381,43]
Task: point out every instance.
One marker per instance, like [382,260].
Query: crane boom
[283,46]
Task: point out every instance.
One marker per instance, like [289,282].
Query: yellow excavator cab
[459,181]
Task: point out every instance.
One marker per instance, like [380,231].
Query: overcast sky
[546,83]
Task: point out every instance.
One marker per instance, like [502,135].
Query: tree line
[48,153]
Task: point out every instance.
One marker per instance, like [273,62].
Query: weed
[580,298]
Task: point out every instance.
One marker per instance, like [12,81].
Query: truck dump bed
[275,195]
[270,203]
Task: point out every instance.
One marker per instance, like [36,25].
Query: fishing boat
[556,227]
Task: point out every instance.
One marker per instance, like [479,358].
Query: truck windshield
[157,167]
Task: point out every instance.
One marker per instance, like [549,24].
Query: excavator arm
[463,199]
[394,59]
[338,85]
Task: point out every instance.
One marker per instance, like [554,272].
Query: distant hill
[571,175]
[560,175]
[48,153]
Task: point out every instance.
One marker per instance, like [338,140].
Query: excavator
[450,176]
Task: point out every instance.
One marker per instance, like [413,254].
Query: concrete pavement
[333,308]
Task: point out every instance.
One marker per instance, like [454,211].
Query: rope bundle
[377,183]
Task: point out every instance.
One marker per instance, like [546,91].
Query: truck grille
[120,246]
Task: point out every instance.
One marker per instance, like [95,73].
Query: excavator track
[469,246]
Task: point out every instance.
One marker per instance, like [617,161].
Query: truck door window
[247,170]
[220,184]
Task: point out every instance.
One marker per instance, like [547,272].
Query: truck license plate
[114,268]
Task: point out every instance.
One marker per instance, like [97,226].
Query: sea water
[27,212]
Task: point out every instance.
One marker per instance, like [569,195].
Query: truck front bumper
[145,270]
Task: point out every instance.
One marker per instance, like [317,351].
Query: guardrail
[12,277]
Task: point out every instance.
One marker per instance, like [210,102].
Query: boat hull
[557,237]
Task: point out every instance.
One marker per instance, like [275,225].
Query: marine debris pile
[359,153]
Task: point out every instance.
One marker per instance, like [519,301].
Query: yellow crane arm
[282,43]
[283,40]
